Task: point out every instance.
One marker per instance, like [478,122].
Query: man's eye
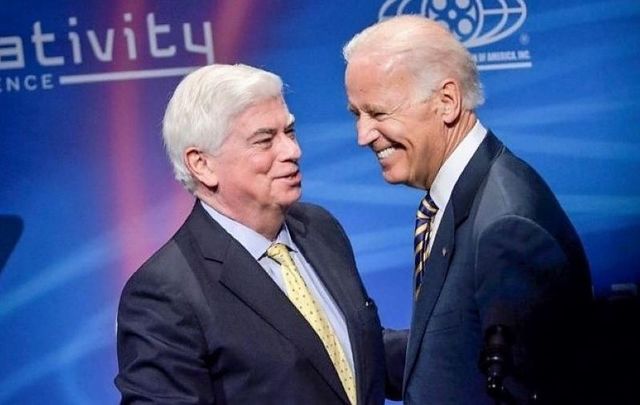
[378,115]
[263,141]
[290,132]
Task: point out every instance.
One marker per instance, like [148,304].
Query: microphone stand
[496,362]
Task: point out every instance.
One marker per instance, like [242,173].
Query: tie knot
[427,208]
[280,253]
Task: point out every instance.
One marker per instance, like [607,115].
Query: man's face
[402,130]
[257,165]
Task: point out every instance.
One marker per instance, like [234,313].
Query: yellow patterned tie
[301,297]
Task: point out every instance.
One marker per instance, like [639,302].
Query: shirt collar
[255,243]
[450,172]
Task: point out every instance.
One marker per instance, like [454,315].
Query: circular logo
[473,22]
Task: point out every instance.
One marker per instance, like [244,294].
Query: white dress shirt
[450,172]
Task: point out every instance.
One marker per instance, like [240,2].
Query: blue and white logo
[74,52]
[476,23]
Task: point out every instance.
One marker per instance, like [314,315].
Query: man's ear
[450,100]
[200,166]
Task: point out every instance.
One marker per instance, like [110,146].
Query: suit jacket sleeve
[160,344]
[395,351]
[525,281]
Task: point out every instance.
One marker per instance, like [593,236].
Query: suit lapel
[442,251]
[437,267]
[241,274]
[330,269]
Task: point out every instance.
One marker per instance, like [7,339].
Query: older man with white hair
[256,299]
[501,282]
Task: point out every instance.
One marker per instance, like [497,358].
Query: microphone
[496,360]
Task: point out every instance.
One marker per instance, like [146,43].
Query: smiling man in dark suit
[256,299]
[496,258]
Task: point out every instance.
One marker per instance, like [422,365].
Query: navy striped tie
[424,218]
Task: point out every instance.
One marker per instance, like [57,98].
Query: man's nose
[291,149]
[366,132]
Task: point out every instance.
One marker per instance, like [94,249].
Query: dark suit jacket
[201,322]
[505,253]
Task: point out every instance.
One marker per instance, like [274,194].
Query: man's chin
[292,197]
[392,179]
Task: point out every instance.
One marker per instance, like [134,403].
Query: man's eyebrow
[367,108]
[265,130]
[273,131]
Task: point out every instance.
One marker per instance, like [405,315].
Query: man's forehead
[374,74]
[375,62]
[269,114]
[373,94]
[264,107]
[275,127]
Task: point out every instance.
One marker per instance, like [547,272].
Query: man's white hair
[427,49]
[203,106]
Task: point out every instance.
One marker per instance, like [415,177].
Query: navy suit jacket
[505,253]
[201,322]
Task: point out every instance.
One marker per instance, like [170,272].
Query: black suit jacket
[505,253]
[201,322]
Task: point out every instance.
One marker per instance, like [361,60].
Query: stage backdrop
[86,194]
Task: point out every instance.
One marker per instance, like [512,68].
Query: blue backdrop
[86,193]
